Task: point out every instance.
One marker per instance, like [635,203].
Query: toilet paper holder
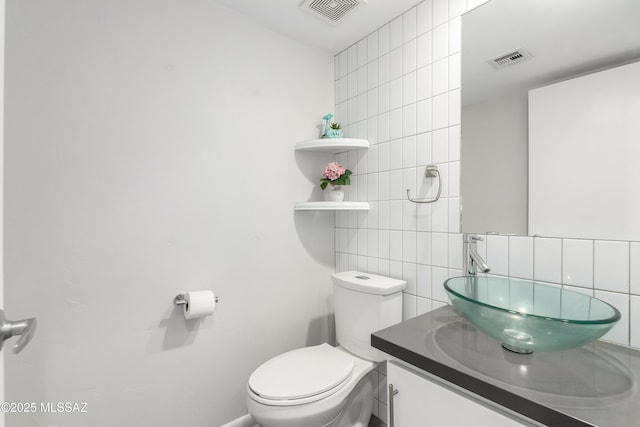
[181,299]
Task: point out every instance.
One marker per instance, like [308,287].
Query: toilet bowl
[312,387]
[325,386]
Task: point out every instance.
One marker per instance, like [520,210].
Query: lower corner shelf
[331,206]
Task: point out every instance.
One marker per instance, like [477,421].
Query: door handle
[25,328]
[392,393]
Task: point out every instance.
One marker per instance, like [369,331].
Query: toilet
[322,386]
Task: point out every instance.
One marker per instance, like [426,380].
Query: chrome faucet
[473,262]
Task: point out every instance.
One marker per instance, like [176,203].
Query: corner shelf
[331,206]
[332,145]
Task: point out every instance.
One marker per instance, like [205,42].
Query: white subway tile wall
[498,254]
[634,261]
[400,88]
[577,262]
[521,257]
[611,266]
[548,260]
[634,319]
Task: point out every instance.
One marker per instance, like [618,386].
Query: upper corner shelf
[331,206]
[332,145]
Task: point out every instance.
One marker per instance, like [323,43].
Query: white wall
[494,162]
[149,150]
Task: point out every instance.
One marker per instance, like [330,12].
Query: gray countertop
[591,385]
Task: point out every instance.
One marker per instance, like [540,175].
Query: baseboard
[244,421]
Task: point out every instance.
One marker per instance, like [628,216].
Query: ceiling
[566,38]
[286,17]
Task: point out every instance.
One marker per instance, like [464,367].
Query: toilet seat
[301,376]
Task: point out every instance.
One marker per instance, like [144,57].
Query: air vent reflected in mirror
[514,57]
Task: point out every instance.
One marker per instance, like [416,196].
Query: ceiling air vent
[331,11]
[514,57]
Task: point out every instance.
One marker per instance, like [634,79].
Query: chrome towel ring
[430,172]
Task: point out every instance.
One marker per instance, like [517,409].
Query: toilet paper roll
[199,304]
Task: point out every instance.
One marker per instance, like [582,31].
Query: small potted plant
[336,176]
[331,129]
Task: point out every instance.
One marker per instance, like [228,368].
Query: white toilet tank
[365,303]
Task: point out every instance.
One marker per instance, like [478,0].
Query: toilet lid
[301,373]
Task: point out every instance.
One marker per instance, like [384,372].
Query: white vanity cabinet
[421,401]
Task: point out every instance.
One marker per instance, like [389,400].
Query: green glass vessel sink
[527,316]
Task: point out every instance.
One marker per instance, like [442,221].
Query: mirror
[510,47]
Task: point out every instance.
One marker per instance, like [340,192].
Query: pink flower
[333,171]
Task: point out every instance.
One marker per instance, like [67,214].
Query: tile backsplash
[599,268]
[400,89]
